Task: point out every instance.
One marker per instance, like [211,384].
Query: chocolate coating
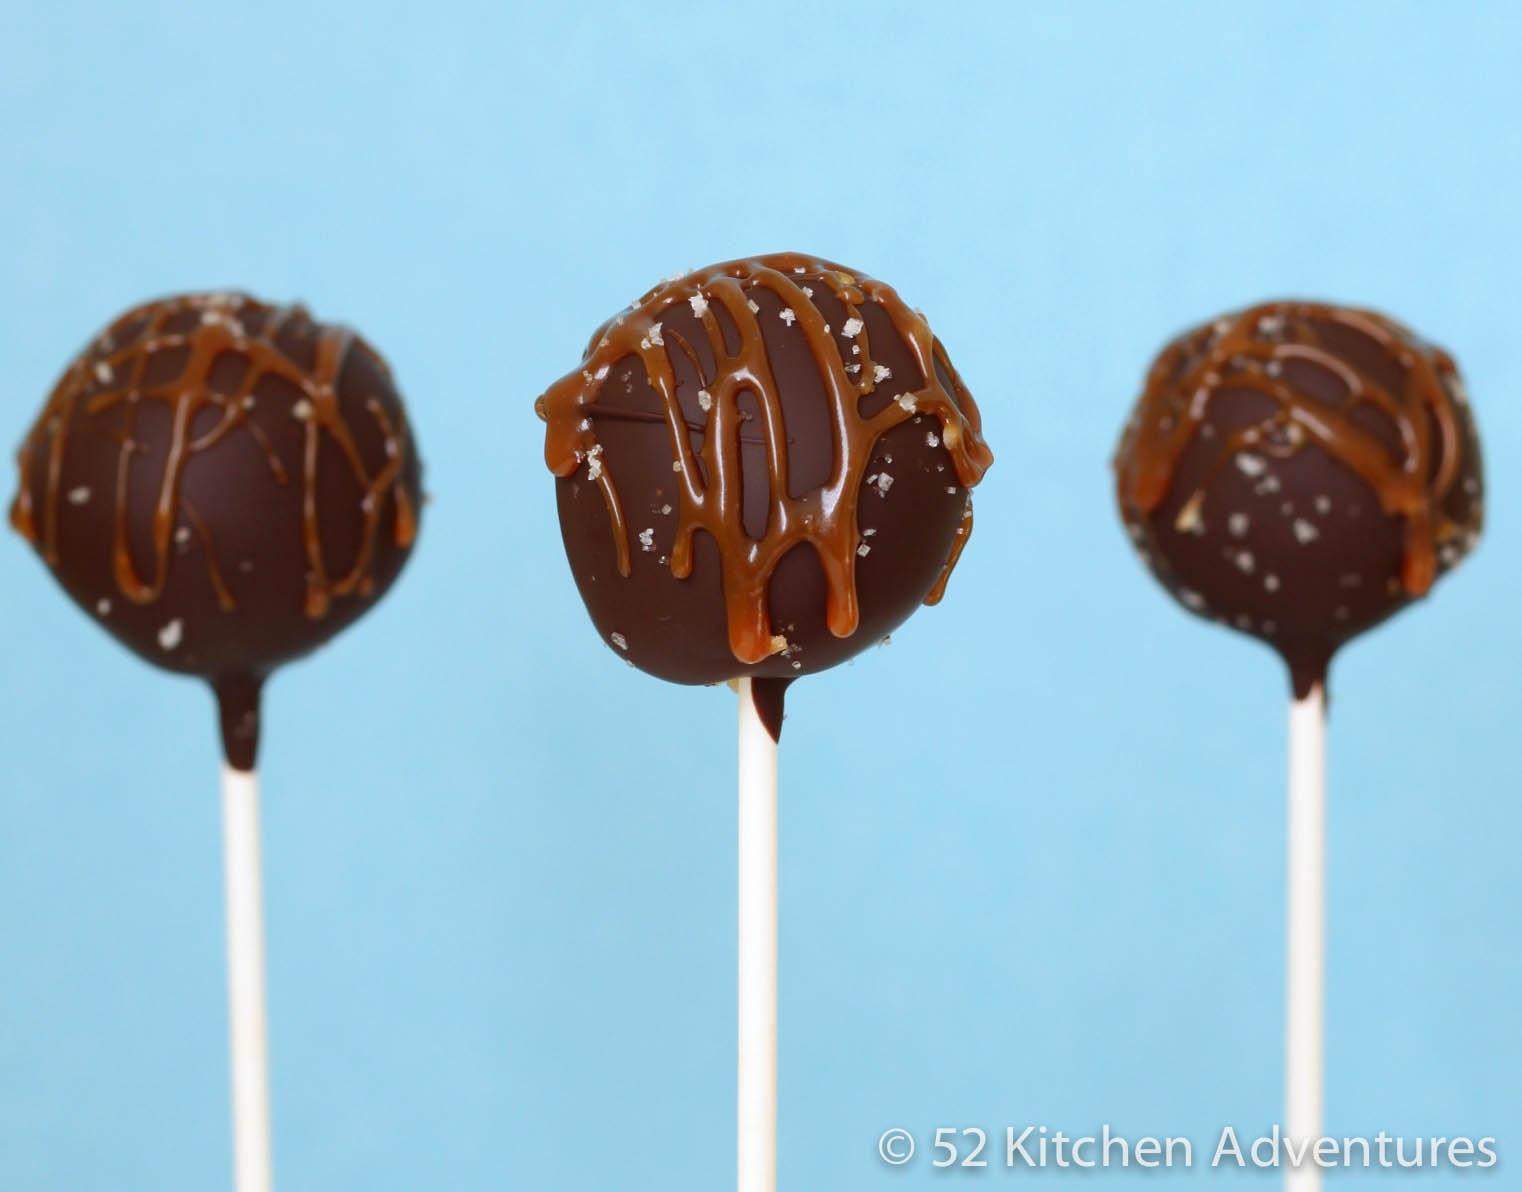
[223,485]
[1301,472]
[763,468]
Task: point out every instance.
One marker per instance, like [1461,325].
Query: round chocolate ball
[1299,472]
[222,485]
[763,467]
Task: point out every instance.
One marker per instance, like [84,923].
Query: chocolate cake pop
[223,485]
[1300,472]
[763,468]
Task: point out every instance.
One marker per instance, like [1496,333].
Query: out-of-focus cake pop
[1301,471]
[223,485]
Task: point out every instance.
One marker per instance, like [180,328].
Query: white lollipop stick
[756,1137]
[1306,930]
[245,981]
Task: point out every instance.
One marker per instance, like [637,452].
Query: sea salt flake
[171,634]
[931,440]
[1189,519]
[1237,524]
[103,606]
[906,400]
[863,550]
[754,309]
[1271,582]
[787,315]
[102,372]
[699,305]
[705,400]
[647,538]
[1251,465]
[884,483]
[1305,532]
[619,640]
[852,328]
[881,372]
[80,495]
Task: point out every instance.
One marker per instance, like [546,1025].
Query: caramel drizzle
[185,396]
[1242,355]
[825,517]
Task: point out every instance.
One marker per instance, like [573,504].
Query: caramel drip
[825,517]
[119,376]
[1246,351]
[958,544]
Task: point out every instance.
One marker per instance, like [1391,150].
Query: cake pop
[223,485]
[1302,471]
[762,468]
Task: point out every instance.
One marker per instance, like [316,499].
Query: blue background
[1032,852]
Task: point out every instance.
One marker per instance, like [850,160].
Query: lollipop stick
[245,981]
[756,1140]
[1306,928]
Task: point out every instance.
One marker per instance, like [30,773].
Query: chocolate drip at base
[238,709]
[767,695]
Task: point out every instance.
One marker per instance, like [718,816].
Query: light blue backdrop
[1032,851]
